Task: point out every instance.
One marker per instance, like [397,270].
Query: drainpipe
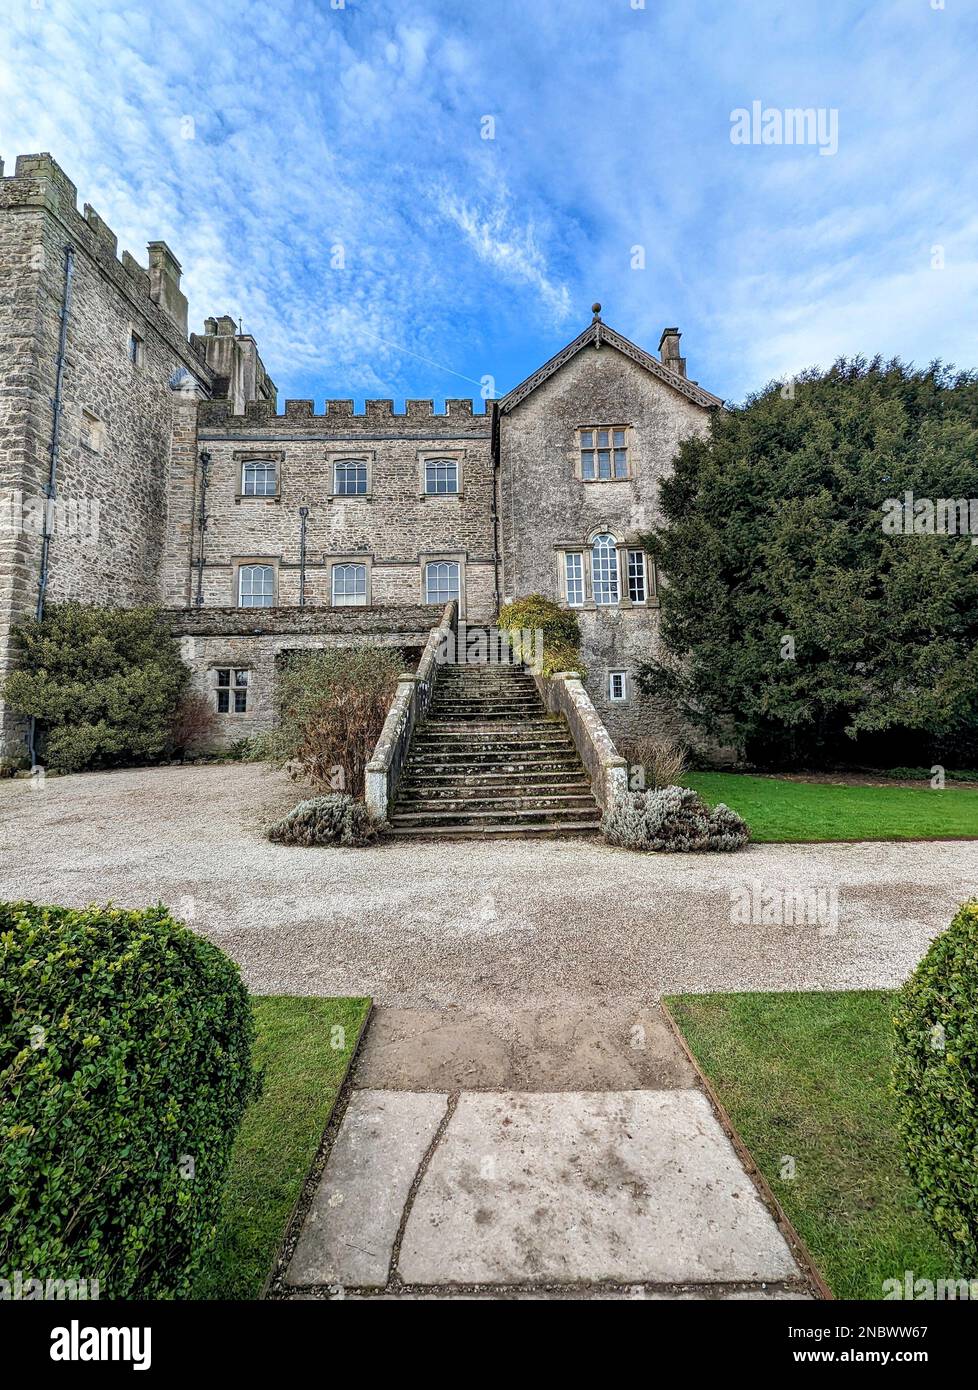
[51,490]
[303,513]
[205,467]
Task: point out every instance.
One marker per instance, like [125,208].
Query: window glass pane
[587,463]
[636,576]
[350,477]
[619,439]
[604,570]
[241,677]
[257,585]
[587,439]
[224,677]
[259,480]
[604,463]
[621,467]
[350,585]
[223,699]
[441,476]
[574,574]
[603,439]
[240,701]
[441,581]
[616,685]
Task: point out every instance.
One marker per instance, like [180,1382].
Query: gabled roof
[597,334]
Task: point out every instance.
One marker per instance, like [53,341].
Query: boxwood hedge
[125,1067]
[936,1081]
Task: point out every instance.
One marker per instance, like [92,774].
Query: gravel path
[507,923]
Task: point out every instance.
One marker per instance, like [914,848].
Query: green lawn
[777,810]
[305,1060]
[807,1076]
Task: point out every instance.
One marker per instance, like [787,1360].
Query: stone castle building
[172,478]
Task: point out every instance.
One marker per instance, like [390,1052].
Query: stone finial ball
[595,308]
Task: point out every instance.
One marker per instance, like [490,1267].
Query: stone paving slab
[581,1294]
[624,1187]
[551,1049]
[349,1232]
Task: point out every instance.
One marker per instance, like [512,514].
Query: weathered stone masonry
[147,410]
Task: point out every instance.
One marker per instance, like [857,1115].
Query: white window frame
[606,581]
[450,565]
[263,466]
[637,575]
[574,584]
[441,461]
[596,441]
[361,467]
[356,599]
[249,568]
[614,678]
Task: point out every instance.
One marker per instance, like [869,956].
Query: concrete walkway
[552,1154]
[467,924]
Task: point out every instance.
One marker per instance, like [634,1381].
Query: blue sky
[258,138]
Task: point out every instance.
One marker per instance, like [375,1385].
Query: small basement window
[617,686]
[232,690]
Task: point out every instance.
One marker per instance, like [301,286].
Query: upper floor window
[349,585]
[604,453]
[258,478]
[135,348]
[637,586]
[604,569]
[441,581]
[349,477]
[574,577]
[440,476]
[256,586]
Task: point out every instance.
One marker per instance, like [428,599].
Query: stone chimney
[669,351]
[164,284]
[239,373]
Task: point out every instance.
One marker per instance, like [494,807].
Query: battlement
[303,413]
[39,182]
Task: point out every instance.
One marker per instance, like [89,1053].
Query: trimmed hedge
[104,684]
[125,1068]
[936,1080]
[560,628]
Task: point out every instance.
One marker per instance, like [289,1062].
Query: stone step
[471,832]
[475,767]
[479,724]
[486,776]
[494,803]
[524,816]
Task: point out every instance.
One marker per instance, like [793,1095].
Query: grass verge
[782,811]
[304,1047]
[806,1077]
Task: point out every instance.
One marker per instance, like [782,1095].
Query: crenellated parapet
[301,413]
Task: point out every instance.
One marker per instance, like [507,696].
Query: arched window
[604,569]
[256,586]
[258,478]
[349,585]
[441,581]
[350,477]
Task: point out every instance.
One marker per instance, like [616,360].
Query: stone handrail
[408,707]
[564,694]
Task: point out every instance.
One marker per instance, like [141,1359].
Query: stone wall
[395,529]
[544,504]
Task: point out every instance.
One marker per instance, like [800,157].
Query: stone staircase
[489,760]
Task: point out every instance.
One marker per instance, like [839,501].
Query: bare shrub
[664,759]
[194,725]
[332,704]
